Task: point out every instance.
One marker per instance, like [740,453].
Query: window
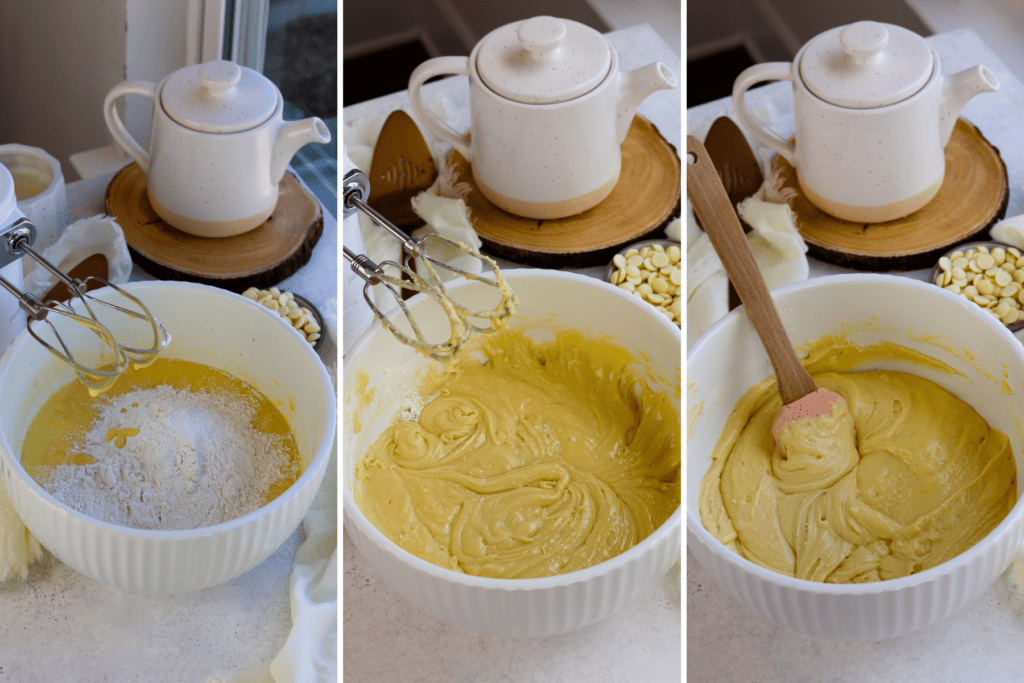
[300,56]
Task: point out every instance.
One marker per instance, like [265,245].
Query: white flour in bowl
[195,461]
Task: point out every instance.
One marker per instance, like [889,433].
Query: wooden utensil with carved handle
[801,398]
[401,168]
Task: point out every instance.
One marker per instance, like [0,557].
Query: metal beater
[17,240]
[400,276]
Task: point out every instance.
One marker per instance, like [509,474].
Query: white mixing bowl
[548,300]
[210,326]
[728,359]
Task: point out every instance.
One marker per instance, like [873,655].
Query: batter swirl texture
[544,459]
[902,477]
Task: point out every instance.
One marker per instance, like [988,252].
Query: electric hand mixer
[416,270]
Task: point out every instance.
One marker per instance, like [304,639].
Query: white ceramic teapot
[873,114]
[218,146]
[549,110]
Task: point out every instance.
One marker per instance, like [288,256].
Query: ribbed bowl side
[149,564]
[875,612]
[520,610]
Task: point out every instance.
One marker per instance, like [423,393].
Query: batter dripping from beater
[398,277]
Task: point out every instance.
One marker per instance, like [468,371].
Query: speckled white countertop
[984,642]
[388,640]
[62,627]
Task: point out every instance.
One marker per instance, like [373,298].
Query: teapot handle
[438,66]
[117,129]
[769,71]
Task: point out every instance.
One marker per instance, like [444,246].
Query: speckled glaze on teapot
[872,115]
[549,110]
[218,146]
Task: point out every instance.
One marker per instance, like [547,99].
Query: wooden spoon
[801,398]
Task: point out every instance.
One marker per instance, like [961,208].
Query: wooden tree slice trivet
[259,258]
[972,197]
[645,199]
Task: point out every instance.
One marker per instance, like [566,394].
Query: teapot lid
[866,65]
[543,60]
[218,97]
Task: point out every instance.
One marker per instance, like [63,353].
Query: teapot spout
[634,87]
[957,90]
[290,137]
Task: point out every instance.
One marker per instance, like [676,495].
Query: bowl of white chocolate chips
[293,309]
[877,531]
[989,274]
[186,472]
[652,271]
[531,485]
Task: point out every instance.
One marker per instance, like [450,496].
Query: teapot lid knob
[219,75]
[541,35]
[864,39]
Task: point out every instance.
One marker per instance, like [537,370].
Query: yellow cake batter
[71,410]
[545,459]
[901,478]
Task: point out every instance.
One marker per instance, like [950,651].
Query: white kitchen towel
[310,654]
[1009,231]
[79,241]
[779,250]
[449,217]
[18,547]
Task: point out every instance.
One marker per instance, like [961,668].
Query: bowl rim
[672,525]
[320,457]
[1013,519]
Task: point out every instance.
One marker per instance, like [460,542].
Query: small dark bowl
[1019,325]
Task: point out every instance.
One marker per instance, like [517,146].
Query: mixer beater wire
[462,319]
[17,241]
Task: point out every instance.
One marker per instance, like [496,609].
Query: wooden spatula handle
[716,214]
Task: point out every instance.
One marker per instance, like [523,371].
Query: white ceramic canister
[40,191]
[12,318]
